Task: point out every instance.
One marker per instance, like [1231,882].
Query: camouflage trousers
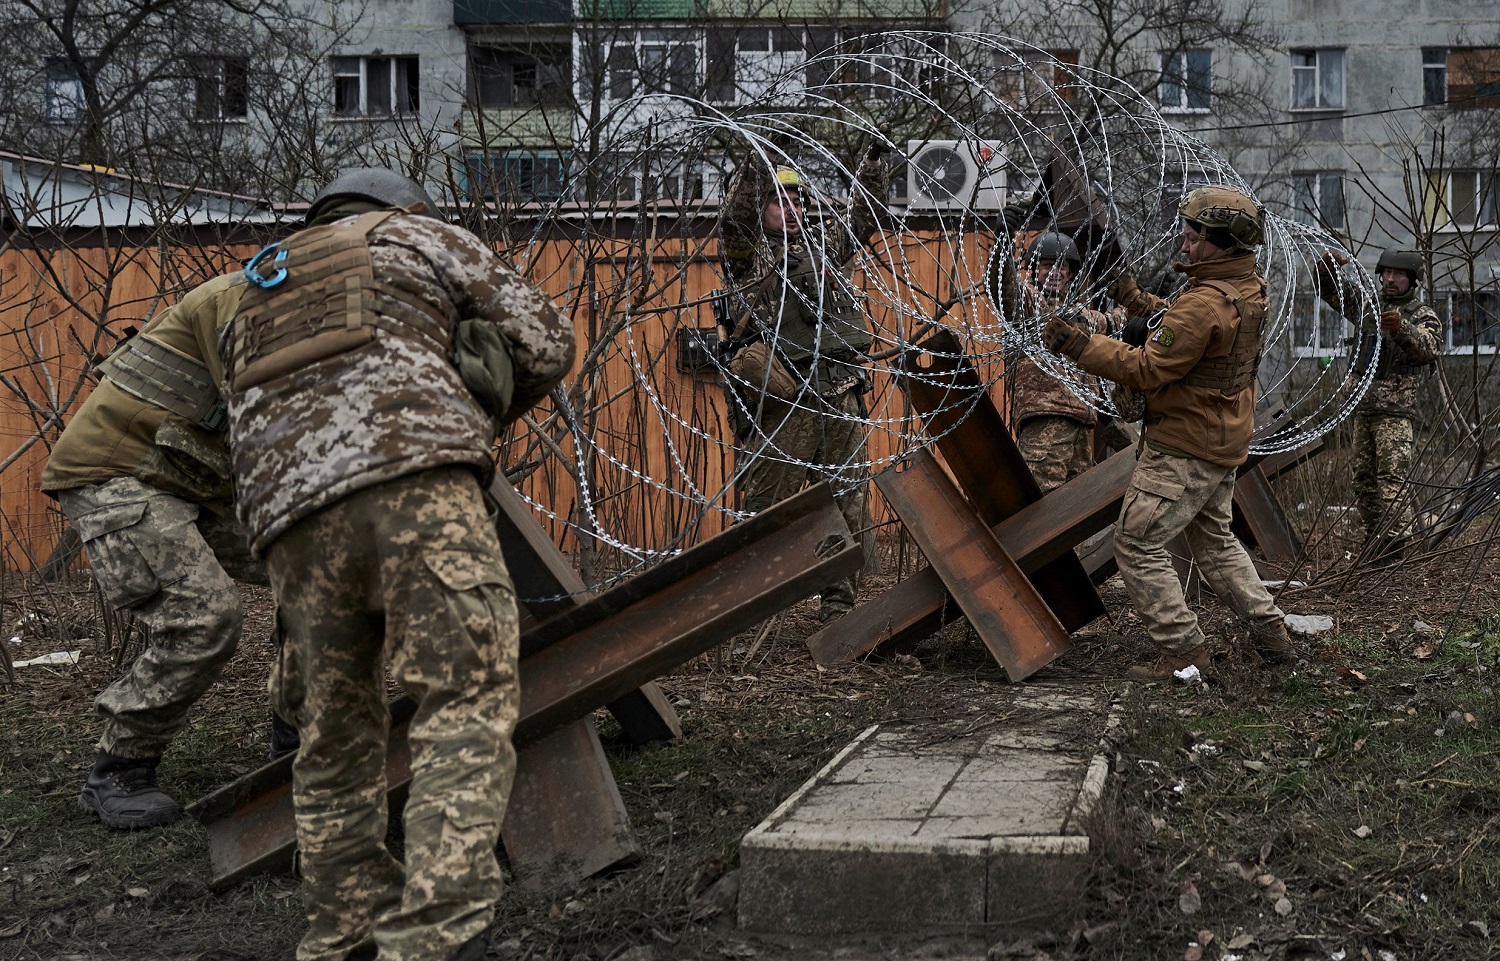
[1184,495]
[404,576]
[792,447]
[164,559]
[1057,449]
[1383,455]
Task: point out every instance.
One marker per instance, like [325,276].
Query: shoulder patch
[1164,336]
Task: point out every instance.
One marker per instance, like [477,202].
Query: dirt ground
[1342,808]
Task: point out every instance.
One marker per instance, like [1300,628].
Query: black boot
[123,792]
[284,738]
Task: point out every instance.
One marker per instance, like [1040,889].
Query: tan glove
[1062,337]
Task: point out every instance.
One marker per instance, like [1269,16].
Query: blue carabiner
[254,276]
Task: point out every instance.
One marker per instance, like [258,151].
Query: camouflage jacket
[393,404]
[1033,391]
[1406,356]
[800,293]
[118,434]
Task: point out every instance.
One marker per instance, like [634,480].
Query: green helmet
[1228,216]
[375,184]
[1053,246]
[1407,260]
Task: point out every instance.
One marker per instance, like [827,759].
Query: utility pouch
[483,359]
[757,365]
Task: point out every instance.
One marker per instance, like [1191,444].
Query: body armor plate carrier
[1234,371]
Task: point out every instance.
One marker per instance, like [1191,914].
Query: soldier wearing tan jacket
[142,471]
[1198,373]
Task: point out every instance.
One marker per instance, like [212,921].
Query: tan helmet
[1227,215]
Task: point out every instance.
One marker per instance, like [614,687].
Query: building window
[753,63]
[518,176]
[221,88]
[1434,76]
[1318,198]
[652,61]
[1317,329]
[375,86]
[514,77]
[1036,81]
[1465,198]
[64,92]
[1318,79]
[1474,78]
[1187,80]
[1471,319]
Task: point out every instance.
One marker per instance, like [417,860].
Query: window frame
[1432,66]
[1317,68]
[1183,82]
[1319,180]
[561,162]
[402,75]
[62,92]
[634,42]
[214,70]
[1443,303]
[556,57]
[1482,198]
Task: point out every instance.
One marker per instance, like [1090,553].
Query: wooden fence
[656,452]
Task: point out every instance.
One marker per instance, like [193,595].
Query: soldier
[374,357]
[1054,427]
[1198,373]
[142,472]
[1410,339]
[797,346]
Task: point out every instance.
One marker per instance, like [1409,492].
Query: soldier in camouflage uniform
[1054,427]
[1410,340]
[374,357]
[1198,372]
[797,345]
[142,471]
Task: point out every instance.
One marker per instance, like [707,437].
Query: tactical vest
[816,315]
[1394,360]
[1233,372]
[325,306]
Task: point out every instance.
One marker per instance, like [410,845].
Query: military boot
[1167,664]
[284,738]
[123,792]
[1272,642]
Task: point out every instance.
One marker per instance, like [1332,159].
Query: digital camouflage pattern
[407,576]
[397,404]
[164,559]
[1406,355]
[793,447]
[1383,456]
[1168,496]
[1056,449]
[1034,392]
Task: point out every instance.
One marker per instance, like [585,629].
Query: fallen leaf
[12,930]
[1188,900]
[1205,937]
[137,892]
[1254,765]
[1351,675]
[1194,952]
[1283,907]
[1363,831]
[1424,651]
[1480,927]
[1240,941]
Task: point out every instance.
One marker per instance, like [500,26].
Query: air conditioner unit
[955,175]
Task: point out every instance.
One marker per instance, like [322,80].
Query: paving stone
[918,828]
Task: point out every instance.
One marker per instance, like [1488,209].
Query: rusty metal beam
[1035,536]
[976,445]
[1260,521]
[590,655]
[549,585]
[1006,612]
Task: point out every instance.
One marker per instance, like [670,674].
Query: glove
[1136,330]
[1332,260]
[1062,337]
[1390,321]
[1123,287]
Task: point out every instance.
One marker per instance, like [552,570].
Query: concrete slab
[926,828]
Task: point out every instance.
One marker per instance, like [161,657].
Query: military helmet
[789,178]
[375,184]
[1054,246]
[1397,259]
[1225,214]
